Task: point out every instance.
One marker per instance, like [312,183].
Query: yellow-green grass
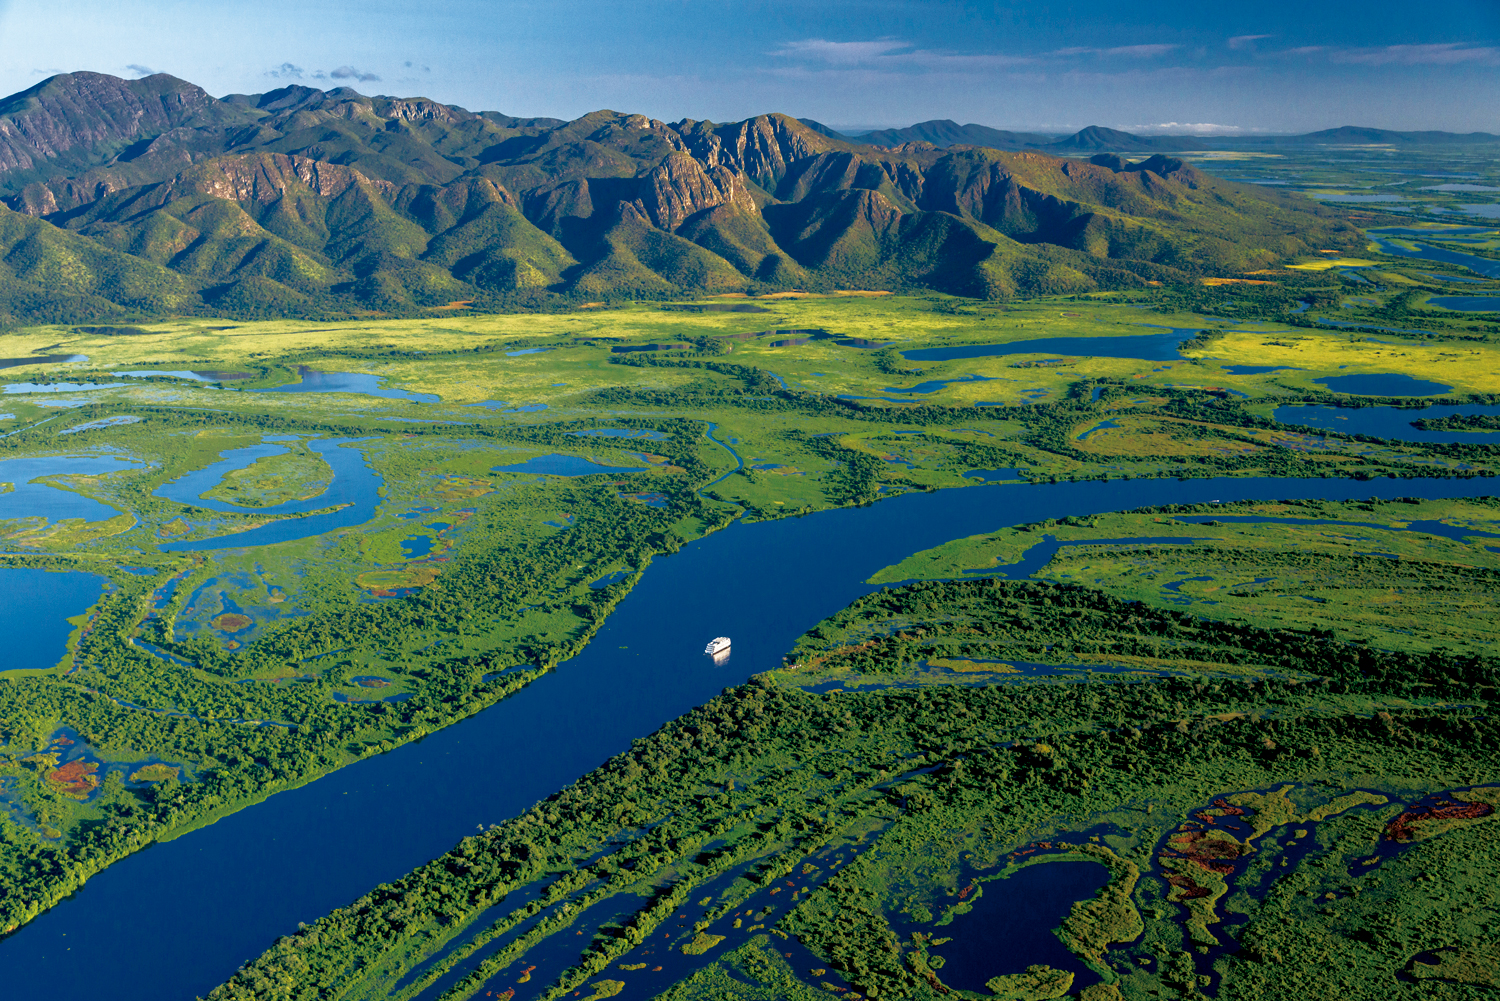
[470,378]
[563,376]
[1327,263]
[1467,367]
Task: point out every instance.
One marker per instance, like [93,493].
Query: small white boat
[716,646]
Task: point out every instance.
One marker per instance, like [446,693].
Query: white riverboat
[717,645]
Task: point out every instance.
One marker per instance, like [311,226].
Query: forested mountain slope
[150,196]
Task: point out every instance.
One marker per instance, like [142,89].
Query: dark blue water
[179,918]
[28,499]
[993,475]
[564,465]
[34,614]
[1101,426]
[1146,347]
[933,385]
[608,579]
[1389,422]
[417,546]
[1480,303]
[1011,926]
[1384,384]
[346,382]
[354,484]
[1258,369]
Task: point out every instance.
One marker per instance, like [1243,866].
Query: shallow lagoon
[763,584]
[30,499]
[346,382]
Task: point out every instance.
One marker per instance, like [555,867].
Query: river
[174,920]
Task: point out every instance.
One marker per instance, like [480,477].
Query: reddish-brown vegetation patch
[75,779]
[1209,853]
[1403,827]
[232,622]
[1189,888]
[1220,809]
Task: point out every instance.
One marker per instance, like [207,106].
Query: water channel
[354,494]
[174,920]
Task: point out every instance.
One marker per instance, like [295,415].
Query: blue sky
[1271,65]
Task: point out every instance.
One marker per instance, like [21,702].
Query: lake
[1010,926]
[34,614]
[1390,422]
[175,920]
[28,499]
[1143,347]
[1482,303]
[1384,384]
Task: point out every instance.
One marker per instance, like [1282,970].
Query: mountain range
[149,196]
[945,133]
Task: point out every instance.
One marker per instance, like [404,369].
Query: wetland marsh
[328,610]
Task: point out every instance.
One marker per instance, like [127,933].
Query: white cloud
[1246,41]
[350,73]
[140,70]
[841,53]
[895,55]
[1441,54]
[1120,51]
[286,71]
[1190,128]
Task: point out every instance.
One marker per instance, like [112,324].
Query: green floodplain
[1264,724]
